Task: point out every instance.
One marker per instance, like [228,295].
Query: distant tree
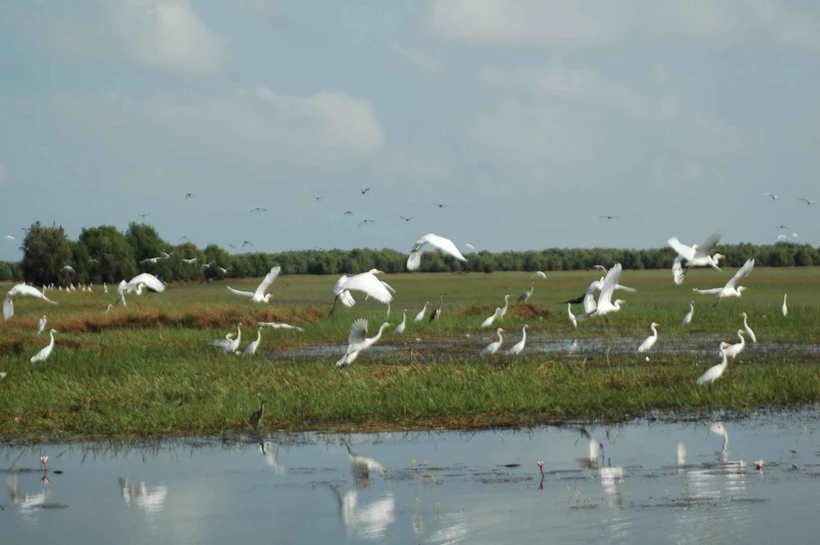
[112,255]
[145,242]
[45,251]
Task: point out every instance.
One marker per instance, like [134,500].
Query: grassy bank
[144,370]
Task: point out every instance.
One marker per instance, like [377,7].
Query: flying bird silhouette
[365,221]
[365,190]
[347,213]
[772,195]
[406,219]
[318,198]
[189,195]
[246,243]
[609,217]
[807,201]
[440,205]
[258,209]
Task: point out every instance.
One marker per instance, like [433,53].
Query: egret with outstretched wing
[440,243]
[731,289]
[18,291]
[259,296]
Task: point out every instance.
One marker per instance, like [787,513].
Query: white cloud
[567,22]
[166,34]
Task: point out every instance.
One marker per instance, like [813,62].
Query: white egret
[731,289]
[259,296]
[688,318]
[151,282]
[772,195]
[469,246]
[748,329]
[41,324]
[21,290]
[650,341]
[400,328]
[105,287]
[221,343]
[9,237]
[527,294]
[518,347]
[190,261]
[420,316]
[605,305]
[698,255]
[539,274]
[43,354]
[234,344]
[155,260]
[599,267]
[366,282]
[784,309]
[489,321]
[493,347]
[440,243]
[108,308]
[279,325]
[68,268]
[571,315]
[590,305]
[505,307]
[250,350]
[732,350]
[715,372]
[358,341]
[597,284]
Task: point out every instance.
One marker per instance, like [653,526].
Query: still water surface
[641,482]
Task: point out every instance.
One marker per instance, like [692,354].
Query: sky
[529,119]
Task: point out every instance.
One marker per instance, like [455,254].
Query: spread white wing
[269,278]
[743,271]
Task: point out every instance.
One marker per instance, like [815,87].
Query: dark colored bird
[783,227]
[183,237]
[256,417]
[348,213]
[527,294]
[577,301]
[318,198]
[436,314]
[246,243]
[143,216]
[609,217]
[365,190]
[365,221]
[228,244]
[259,209]
[406,219]
[189,195]
[440,205]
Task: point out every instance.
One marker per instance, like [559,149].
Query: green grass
[144,370]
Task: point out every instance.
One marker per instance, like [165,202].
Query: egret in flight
[358,341]
[807,201]
[772,195]
[440,243]
[366,282]
[605,305]
[731,289]
[259,296]
[694,256]
[21,290]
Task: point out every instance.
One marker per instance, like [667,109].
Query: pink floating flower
[44,460]
[44,480]
[540,464]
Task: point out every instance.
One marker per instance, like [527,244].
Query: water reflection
[271,455]
[25,501]
[361,466]
[151,499]
[368,519]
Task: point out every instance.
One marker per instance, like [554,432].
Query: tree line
[104,254]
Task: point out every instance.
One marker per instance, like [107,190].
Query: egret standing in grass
[650,341]
[358,341]
[715,372]
[420,316]
[784,309]
[518,347]
[43,354]
[489,321]
[571,315]
[250,350]
[748,329]
[400,328]
[688,318]
[41,324]
[233,346]
[732,350]
[527,294]
[505,307]
[493,347]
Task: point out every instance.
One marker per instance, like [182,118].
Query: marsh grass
[144,369]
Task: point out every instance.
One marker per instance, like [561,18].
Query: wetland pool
[641,482]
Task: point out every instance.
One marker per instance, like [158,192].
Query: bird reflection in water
[596,455]
[271,456]
[368,520]
[150,499]
[361,466]
[25,501]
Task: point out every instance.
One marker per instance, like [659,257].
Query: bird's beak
[379,272]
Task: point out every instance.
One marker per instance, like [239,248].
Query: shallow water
[446,487]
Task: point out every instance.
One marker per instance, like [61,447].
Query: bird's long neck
[404,316]
[52,338]
[745,323]
[523,334]
[499,336]
[259,335]
[654,331]
[742,339]
[381,330]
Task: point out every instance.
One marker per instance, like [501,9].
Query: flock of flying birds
[369,283]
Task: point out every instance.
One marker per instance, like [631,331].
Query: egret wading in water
[420,316]
[436,314]
[493,347]
[445,245]
[250,350]
[748,329]
[784,309]
[43,354]
[731,289]
[400,328]
[688,318]
[715,372]
[518,347]
[259,296]
[650,341]
[21,290]
[358,341]
[732,350]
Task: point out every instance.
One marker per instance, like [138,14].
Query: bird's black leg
[332,310]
